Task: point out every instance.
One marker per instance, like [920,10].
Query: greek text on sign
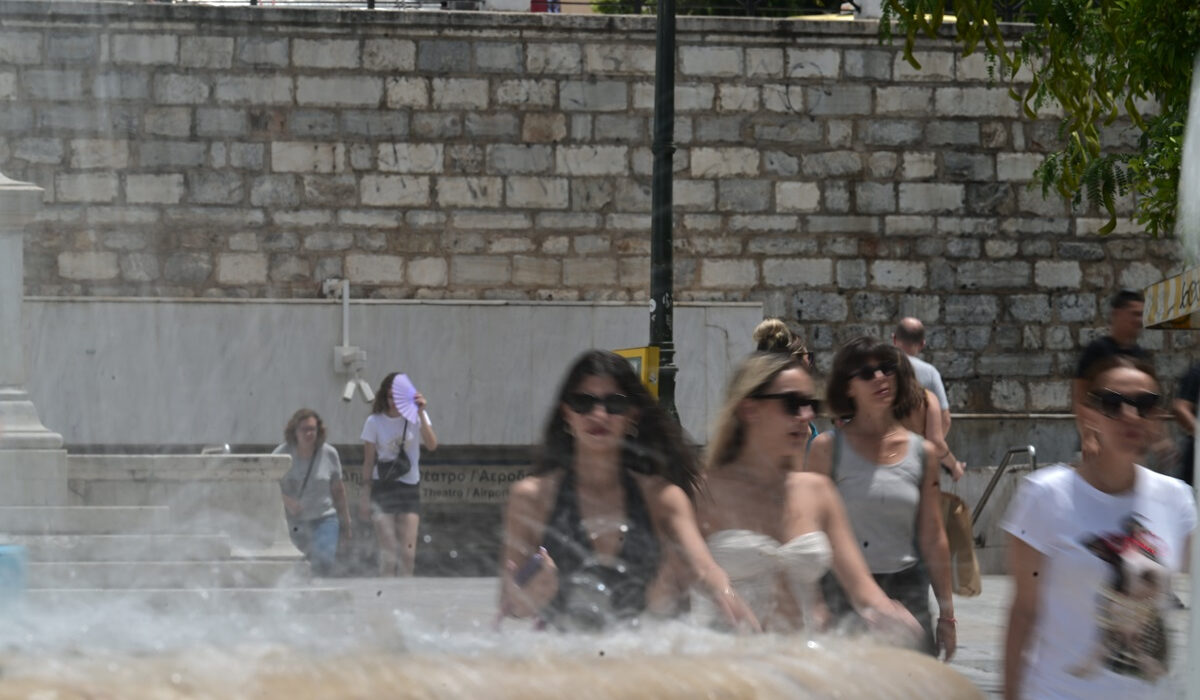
[443,484]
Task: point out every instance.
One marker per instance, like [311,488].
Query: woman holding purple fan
[392,438]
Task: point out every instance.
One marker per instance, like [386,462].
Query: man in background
[910,337]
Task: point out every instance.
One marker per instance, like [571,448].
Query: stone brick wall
[189,151]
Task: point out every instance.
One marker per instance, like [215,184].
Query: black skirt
[395,497]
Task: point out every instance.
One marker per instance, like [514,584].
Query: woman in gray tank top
[888,478]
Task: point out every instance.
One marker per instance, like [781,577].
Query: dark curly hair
[658,448]
[293,424]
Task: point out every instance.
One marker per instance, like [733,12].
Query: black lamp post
[662,273]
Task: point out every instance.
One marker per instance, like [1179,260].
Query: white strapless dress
[756,563]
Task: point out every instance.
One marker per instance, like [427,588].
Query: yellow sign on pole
[645,365]
[1174,302]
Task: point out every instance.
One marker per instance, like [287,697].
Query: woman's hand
[364,506]
[893,621]
[955,467]
[733,609]
[536,594]
[947,637]
[291,506]
[419,400]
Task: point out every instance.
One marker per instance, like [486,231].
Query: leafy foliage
[1101,60]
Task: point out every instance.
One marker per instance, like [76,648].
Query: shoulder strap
[307,475]
[837,454]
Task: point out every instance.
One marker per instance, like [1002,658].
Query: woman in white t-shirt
[1091,552]
[391,495]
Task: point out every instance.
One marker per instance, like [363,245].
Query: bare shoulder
[809,483]
[534,490]
[659,491]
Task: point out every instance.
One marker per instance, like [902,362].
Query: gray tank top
[881,501]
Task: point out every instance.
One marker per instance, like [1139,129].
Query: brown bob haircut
[293,424]
[858,353]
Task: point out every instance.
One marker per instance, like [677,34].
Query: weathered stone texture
[815,171]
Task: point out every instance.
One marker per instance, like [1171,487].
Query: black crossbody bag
[399,467]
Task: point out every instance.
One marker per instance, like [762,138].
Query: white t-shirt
[386,433]
[1103,587]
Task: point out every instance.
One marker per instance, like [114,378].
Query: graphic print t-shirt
[390,435]
[1104,582]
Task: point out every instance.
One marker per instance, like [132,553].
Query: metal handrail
[999,473]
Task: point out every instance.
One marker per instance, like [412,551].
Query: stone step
[86,548]
[157,575]
[236,601]
[89,520]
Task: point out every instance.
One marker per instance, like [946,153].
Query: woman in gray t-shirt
[314,498]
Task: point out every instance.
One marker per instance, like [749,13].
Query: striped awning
[1174,302]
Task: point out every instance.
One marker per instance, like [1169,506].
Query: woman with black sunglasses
[888,478]
[774,529]
[594,535]
[1091,550]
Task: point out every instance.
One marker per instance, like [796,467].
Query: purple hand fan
[404,394]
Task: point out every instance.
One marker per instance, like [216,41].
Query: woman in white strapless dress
[774,529]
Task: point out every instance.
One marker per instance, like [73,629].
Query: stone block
[742,196]
[791,272]
[1050,396]
[591,160]
[20,48]
[441,57]
[381,124]
[85,187]
[813,63]
[724,162]
[87,154]
[275,191]
[491,126]
[180,89]
[262,51]
[527,94]
[241,268]
[971,308]
[139,267]
[1140,275]
[976,167]
[188,268]
[537,192]
[883,164]
[1008,395]
[898,225]
[1031,201]
[710,130]
[58,85]
[589,272]
[410,157]
[695,98]
[891,132]
[258,90]
[919,197]
[619,127]
[427,272]
[780,163]
[838,100]
[813,306]
[872,64]
[1030,308]
[992,199]
[325,53]
[826,164]
[787,99]
[975,102]
[328,240]
[993,274]
[593,96]
[737,98]
[39,150]
[460,93]
[875,197]
[354,91]
[395,190]
[145,49]
[728,274]
[215,187]
[480,269]
[389,55]
[121,85]
[903,100]
[175,122]
[88,265]
[708,61]
[469,191]
[935,66]
[619,58]
[1017,167]
[205,52]
[851,274]
[952,133]
[289,268]
[1057,274]
[554,57]
[898,274]
[406,92]
[375,269]
[927,307]
[764,63]
[697,195]
[222,121]
[248,156]
[307,157]
[309,122]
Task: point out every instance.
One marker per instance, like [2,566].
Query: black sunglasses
[1110,402]
[614,404]
[793,401]
[867,372]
